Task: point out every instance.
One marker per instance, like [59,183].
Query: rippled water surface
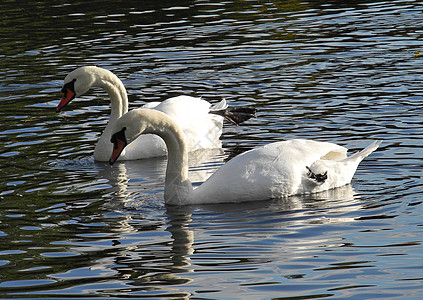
[346,72]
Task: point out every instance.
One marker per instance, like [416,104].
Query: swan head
[127,128]
[77,83]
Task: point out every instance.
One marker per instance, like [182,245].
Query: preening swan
[200,122]
[276,170]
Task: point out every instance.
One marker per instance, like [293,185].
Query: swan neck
[178,187]
[117,94]
[119,106]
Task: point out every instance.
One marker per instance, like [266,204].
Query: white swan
[276,170]
[200,122]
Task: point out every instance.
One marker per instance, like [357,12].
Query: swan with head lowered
[200,122]
[276,170]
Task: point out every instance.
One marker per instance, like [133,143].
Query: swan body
[201,128]
[276,170]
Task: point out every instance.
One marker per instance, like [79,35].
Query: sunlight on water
[343,72]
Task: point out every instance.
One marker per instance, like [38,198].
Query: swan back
[272,171]
[202,129]
[281,169]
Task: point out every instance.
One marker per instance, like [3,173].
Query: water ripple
[337,71]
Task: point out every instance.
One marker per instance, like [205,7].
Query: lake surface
[346,72]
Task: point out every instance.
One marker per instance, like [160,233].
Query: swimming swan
[200,122]
[276,170]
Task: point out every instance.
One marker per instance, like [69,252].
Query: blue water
[342,72]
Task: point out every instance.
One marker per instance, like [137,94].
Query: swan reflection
[174,250]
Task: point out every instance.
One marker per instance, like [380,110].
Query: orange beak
[67,97]
[118,147]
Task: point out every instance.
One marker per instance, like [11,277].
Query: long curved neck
[116,90]
[119,106]
[178,187]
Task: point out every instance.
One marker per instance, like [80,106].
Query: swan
[275,170]
[200,122]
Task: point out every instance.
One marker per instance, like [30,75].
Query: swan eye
[119,136]
[69,86]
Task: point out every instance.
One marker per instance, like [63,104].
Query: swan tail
[365,152]
[235,114]
[240,114]
[219,106]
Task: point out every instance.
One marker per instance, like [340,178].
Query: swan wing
[201,129]
[339,172]
[273,171]
[151,105]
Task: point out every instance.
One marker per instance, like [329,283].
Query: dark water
[344,72]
